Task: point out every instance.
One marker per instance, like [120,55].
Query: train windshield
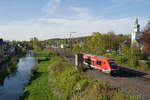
[112,64]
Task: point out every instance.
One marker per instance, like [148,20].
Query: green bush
[76,49]
[13,65]
[14,61]
[70,82]
[58,65]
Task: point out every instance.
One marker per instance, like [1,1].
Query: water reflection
[15,83]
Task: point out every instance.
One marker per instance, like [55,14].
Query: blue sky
[23,19]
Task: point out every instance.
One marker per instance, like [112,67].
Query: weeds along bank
[10,65]
[55,79]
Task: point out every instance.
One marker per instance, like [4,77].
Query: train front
[113,66]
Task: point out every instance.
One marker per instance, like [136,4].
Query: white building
[136,34]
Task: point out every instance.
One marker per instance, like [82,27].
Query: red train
[106,65]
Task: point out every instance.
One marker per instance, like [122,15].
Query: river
[14,84]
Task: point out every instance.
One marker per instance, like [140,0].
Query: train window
[99,63]
[84,59]
[104,62]
[112,64]
[88,61]
[92,62]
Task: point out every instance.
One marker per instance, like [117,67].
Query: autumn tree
[145,39]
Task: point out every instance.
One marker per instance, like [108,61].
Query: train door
[92,63]
[88,61]
[98,64]
[105,65]
[85,61]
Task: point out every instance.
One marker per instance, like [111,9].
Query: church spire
[136,34]
[137,22]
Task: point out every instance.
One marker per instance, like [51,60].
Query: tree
[36,46]
[98,43]
[145,39]
[134,56]
[76,48]
[94,44]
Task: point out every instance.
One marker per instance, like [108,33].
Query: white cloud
[117,4]
[58,1]
[78,9]
[54,20]
[82,13]
[82,22]
[51,6]
[45,28]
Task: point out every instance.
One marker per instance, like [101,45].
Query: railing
[39,55]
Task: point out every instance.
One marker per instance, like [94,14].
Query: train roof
[96,56]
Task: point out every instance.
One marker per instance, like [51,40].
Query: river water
[14,84]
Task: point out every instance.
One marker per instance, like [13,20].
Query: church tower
[136,34]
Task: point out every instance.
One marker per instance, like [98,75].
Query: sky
[45,19]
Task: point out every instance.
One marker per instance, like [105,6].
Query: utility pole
[71,41]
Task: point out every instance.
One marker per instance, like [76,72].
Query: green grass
[39,88]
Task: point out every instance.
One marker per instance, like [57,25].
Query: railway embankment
[55,79]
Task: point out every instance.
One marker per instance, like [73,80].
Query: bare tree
[145,39]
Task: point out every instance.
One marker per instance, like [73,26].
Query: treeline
[98,43]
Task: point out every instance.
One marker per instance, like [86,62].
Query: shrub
[76,48]
[33,70]
[58,65]
[14,61]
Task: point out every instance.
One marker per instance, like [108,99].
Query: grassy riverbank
[58,80]
[39,89]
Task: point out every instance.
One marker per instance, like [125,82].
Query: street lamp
[71,40]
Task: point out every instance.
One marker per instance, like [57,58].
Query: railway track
[130,84]
[144,76]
